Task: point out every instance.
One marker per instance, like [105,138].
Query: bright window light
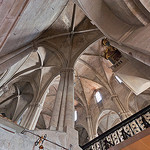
[98,96]
[118,79]
[75,115]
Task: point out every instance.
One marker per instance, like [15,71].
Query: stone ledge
[10,126]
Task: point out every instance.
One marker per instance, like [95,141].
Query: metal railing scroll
[122,131]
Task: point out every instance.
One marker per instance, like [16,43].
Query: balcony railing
[122,131]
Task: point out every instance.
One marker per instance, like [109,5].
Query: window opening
[118,79]
[98,96]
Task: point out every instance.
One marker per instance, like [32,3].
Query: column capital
[114,96]
[88,116]
[39,105]
[66,70]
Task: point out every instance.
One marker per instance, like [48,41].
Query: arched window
[98,96]
[118,79]
[75,115]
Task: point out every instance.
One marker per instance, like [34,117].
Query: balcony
[128,134]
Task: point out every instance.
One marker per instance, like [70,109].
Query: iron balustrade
[122,131]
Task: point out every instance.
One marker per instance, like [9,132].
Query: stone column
[63,111]
[69,116]
[31,117]
[123,113]
[90,127]
[57,105]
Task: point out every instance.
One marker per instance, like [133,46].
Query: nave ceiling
[51,35]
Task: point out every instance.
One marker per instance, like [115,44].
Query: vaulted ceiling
[39,38]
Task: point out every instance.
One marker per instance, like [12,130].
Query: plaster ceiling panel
[97,61]
[36,76]
[25,87]
[113,119]
[47,73]
[79,16]
[106,65]
[63,23]
[94,49]
[89,87]
[95,64]
[55,82]
[78,85]
[38,16]
[52,90]
[41,122]
[108,119]
[83,40]
[52,60]
[84,71]
[47,120]
[79,67]
[60,45]
[90,52]
[81,116]
[48,105]
[32,62]
[85,24]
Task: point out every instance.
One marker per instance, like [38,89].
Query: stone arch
[53,49]
[48,103]
[105,114]
[82,133]
[84,49]
[136,103]
[19,100]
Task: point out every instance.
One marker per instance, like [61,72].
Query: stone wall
[11,138]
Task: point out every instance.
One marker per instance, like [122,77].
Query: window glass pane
[118,79]
[98,96]
[75,115]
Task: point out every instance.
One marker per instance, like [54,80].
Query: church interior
[74,71]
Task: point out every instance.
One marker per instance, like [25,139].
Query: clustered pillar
[90,127]
[123,113]
[63,111]
[32,115]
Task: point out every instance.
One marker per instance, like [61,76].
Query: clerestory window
[75,115]
[118,79]
[98,96]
